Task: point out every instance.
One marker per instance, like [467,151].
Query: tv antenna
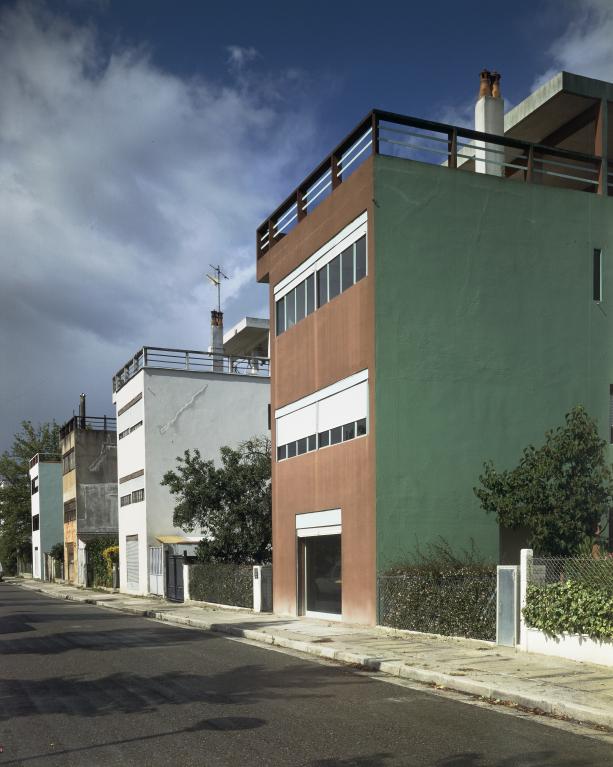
[215,279]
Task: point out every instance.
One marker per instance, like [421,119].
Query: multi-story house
[169,401]
[441,297]
[47,521]
[88,445]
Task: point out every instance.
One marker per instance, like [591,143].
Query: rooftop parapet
[98,423]
[194,361]
[459,149]
[45,458]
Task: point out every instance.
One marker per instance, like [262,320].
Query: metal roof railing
[188,359]
[411,138]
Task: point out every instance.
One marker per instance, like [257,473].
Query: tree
[15,508]
[230,504]
[559,491]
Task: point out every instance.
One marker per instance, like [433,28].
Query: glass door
[321,577]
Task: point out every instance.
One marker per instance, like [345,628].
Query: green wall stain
[486,335]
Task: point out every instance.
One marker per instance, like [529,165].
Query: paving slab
[579,691]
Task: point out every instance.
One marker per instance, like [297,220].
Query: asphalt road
[81,685]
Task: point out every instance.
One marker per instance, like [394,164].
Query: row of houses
[438,298]
[105,481]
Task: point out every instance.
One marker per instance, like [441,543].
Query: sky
[142,140]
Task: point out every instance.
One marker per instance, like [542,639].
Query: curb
[390,667]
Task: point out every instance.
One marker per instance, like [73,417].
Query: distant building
[89,463]
[47,517]
[442,296]
[169,401]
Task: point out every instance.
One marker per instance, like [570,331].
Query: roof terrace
[566,121]
[98,423]
[187,359]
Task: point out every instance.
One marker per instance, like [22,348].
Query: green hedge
[458,602]
[221,583]
[572,606]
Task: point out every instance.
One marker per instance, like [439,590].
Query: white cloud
[239,56]
[585,47]
[119,184]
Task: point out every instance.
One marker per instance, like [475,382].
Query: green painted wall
[486,335]
[51,505]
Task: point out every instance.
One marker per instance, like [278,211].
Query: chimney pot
[485,84]
[495,81]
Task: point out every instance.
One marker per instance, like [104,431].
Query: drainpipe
[489,118]
[216,347]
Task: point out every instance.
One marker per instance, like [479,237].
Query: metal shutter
[132,561]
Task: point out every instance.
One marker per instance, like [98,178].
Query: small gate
[156,582]
[174,577]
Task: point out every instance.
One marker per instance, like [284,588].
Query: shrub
[97,564]
[222,583]
[571,606]
[441,592]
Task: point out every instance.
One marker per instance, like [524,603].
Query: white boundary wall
[577,647]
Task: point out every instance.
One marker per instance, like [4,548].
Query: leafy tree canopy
[15,508]
[559,491]
[230,504]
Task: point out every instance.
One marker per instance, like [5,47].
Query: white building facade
[169,401]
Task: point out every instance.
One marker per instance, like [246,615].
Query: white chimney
[489,118]
[216,347]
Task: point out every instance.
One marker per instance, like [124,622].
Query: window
[360,259]
[35,522]
[125,500]
[290,309]
[322,286]
[597,275]
[138,495]
[125,432]
[300,302]
[70,510]
[336,434]
[34,485]
[333,278]
[334,414]
[310,294]
[347,271]
[68,461]
[280,316]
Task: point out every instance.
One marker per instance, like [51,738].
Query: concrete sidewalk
[579,691]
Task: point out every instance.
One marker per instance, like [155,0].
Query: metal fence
[452,604]
[596,573]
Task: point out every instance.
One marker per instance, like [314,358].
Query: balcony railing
[45,458]
[99,423]
[187,359]
[460,149]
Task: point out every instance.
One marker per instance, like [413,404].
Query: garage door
[132,562]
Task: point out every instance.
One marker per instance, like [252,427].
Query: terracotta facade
[329,345]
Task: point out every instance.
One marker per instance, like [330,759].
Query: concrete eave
[249,337]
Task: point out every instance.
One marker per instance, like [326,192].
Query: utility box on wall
[262,588]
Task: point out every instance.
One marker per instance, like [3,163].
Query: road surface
[82,685]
